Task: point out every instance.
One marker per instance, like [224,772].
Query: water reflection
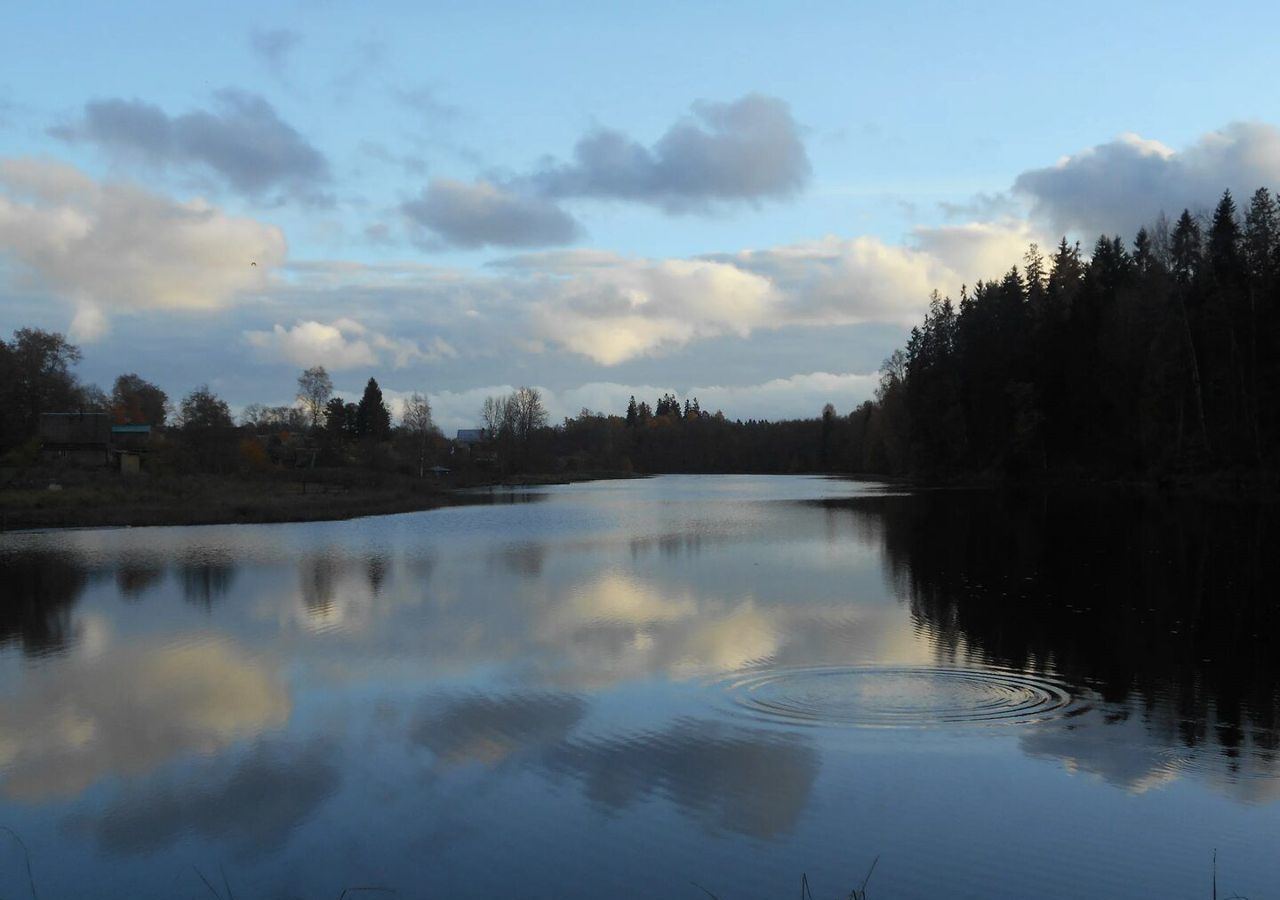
[376,567]
[718,677]
[206,576]
[733,779]
[137,574]
[524,559]
[338,591]
[41,588]
[125,709]
[1162,608]
[252,804]
[492,730]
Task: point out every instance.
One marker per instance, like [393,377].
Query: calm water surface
[621,688]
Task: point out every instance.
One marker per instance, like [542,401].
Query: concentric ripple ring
[897,696]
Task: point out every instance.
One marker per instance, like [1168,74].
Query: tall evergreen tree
[1185,249]
[373,419]
[1261,234]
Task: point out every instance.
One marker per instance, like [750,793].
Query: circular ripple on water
[897,696]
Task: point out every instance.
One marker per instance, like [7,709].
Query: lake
[649,688]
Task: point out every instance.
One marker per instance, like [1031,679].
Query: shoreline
[235,500]
[231,500]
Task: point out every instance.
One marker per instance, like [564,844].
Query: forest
[1159,356]
[1150,358]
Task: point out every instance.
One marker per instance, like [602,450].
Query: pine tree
[1261,233]
[1224,243]
[373,419]
[1185,248]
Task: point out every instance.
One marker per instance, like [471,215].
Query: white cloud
[613,308]
[89,324]
[1119,186]
[979,250]
[637,307]
[108,247]
[342,344]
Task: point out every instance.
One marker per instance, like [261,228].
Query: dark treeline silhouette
[671,437]
[199,433]
[1151,601]
[1162,355]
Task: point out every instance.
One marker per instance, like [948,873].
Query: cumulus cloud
[609,308]
[109,247]
[1119,186]
[978,250]
[342,344]
[745,151]
[241,139]
[481,213]
[635,307]
[613,308]
[748,150]
[845,280]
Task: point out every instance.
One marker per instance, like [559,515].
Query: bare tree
[416,419]
[315,387]
[493,413]
[527,413]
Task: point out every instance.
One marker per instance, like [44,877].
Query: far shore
[109,501]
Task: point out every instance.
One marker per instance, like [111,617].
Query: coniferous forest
[1156,355]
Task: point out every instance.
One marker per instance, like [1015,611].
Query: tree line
[1162,355]
[199,431]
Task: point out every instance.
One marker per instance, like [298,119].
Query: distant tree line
[199,432]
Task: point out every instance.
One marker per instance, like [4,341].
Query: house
[476,443]
[472,436]
[78,438]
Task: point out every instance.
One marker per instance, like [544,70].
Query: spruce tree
[373,419]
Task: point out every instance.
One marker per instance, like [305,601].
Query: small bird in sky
[254,264]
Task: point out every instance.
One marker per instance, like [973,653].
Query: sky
[745,202]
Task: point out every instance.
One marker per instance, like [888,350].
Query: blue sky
[746,201]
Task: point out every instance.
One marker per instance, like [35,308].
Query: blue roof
[130,429]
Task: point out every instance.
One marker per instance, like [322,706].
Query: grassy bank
[98,499]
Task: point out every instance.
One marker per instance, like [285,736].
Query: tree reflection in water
[1162,607]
